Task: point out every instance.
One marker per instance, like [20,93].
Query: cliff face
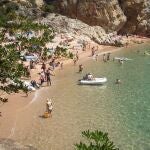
[106,14]
[138,16]
[125,16]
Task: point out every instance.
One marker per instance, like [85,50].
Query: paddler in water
[118,81]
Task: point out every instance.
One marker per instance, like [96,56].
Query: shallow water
[121,110]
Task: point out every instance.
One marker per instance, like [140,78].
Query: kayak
[95,81]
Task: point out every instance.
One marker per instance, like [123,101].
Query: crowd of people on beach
[47,67]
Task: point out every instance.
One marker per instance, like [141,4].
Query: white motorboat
[94,81]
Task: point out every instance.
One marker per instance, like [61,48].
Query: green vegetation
[97,140]
[7,12]
[10,70]
[61,51]
[49,8]
[18,26]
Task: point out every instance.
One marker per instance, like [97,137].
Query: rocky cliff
[124,16]
[138,16]
[104,13]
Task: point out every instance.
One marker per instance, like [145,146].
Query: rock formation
[125,16]
[104,13]
[74,27]
[122,16]
[138,16]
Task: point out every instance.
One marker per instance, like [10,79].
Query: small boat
[122,58]
[94,81]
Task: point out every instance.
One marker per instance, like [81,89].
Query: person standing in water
[118,81]
[48,78]
[108,56]
[104,57]
[80,68]
[49,106]
[96,57]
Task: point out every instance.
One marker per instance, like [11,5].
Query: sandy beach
[17,114]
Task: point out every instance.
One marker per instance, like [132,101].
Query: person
[43,66]
[93,51]
[118,81]
[80,68]
[90,76]
[42,77]
[31,64]
[104,57]
[34,84]
[61,65]
[48,79]
[49,106]
[77,56]
[27,70]
[96,57]
[121,61]
[53,64]
[108,56]
[74,61]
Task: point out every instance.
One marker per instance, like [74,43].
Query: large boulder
[104,13]
[138,16]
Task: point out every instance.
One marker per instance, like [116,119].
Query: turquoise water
[121,110]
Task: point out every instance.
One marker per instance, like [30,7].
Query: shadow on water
[93,85]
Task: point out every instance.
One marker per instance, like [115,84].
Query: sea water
[121,110]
